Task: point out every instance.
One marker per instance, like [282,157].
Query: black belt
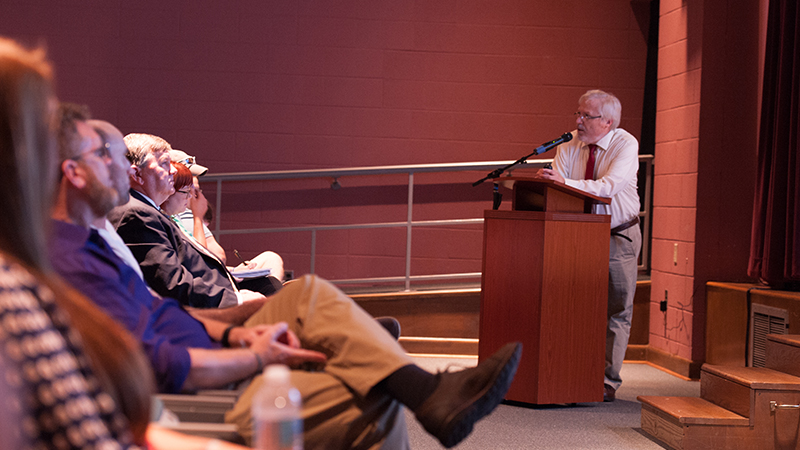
[616,230]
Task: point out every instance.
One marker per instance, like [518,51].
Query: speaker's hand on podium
[550,174]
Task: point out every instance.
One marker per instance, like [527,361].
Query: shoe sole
[485,402]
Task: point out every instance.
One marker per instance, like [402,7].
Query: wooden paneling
[783,353]
[640,323]
[545,284]
[439,321]
[440,314]
[727,318]
[661,427]
[726,393]
[726,325]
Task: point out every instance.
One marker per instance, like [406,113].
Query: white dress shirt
[616,168]
[109,233]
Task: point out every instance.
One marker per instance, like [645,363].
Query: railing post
[313,250]
[218,208]
[408,229]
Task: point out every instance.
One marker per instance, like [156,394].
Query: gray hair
[141,146]
[610,107]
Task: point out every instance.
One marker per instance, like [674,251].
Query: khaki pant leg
[333,417]
[360,351]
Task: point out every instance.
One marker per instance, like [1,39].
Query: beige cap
[188,161]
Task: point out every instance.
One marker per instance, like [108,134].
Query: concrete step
[688,423]
[783,353]
[735,388]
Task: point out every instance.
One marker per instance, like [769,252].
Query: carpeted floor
[613,425]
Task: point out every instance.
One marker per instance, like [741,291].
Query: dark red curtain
[775,241]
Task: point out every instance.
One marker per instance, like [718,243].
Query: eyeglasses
[186,193]
[584,116]
[101,152]
[188,161]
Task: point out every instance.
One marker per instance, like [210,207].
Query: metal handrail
[410,169]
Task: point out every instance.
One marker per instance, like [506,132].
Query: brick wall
[675,181]
[271,85]
[706,136]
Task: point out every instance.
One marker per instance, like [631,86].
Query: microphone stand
[497,197]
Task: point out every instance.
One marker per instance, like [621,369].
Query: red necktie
[590,163]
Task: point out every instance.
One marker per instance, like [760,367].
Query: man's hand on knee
[276,344]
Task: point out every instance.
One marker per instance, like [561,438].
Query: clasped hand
[277,344]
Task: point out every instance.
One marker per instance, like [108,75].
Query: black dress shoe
[609,393]
[462,398]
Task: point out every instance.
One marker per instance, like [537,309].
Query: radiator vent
[764,320]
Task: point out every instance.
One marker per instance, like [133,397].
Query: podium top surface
[540,182]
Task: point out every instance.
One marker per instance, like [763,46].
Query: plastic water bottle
[276,412]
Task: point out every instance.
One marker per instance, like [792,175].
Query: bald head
[120,168]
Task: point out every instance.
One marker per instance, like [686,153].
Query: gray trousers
[622,272]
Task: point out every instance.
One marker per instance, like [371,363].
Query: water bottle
[276,412]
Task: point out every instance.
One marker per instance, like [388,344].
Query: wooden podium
[545,284]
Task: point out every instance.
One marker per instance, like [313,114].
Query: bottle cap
[276,373]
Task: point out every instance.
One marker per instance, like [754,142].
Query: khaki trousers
[340,410]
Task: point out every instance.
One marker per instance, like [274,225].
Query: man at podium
[604,161]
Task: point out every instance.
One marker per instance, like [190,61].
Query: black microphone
[566,137]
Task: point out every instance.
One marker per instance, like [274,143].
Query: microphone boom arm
[566,137]
[497,172]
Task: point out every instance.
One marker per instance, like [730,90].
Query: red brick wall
[271,85]
[706,137]
[675,184]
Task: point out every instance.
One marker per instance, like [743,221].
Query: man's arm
[198,205]
[273,344]
[214,368]
[213,246]
[235,315]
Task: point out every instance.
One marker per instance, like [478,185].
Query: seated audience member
[177,202]
[76,379]
[361,376]
[171,265]
[110,135]
[194,220]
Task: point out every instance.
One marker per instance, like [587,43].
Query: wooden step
[692,423]
[734,388]
[783,353]
[446,321]
[756,377]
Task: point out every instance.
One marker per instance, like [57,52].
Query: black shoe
[391,325]
[609,393]
[462,398]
